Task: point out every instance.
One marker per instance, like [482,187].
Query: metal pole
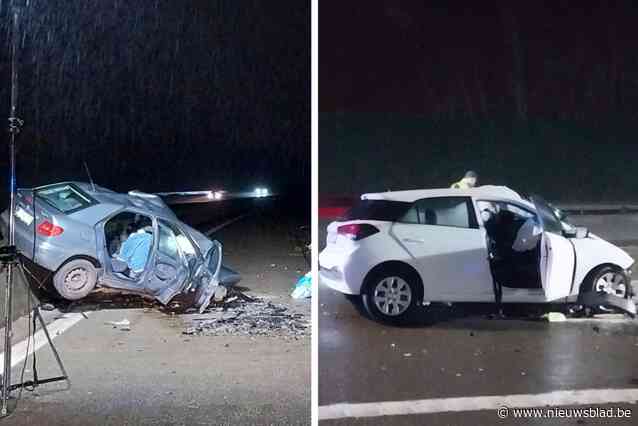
[14,128]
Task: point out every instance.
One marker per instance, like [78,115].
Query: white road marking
[225,224]
[39,339]
[601,320]
[477,403]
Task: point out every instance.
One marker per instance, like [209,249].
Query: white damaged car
[403,249]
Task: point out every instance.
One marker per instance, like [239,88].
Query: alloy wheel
[612,283]
[392,296]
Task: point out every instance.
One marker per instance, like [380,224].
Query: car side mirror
[577,232]
[582,232]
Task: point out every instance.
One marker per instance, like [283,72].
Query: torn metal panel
[594,299]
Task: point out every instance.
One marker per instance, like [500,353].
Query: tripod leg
[6,376]
[36,314]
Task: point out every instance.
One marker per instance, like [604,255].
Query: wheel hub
[612,283]
[76,279]
[392,296]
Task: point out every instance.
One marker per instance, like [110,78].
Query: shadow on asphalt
[105,299]
[465,315]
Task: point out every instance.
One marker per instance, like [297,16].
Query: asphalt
[154,374]
[459,352]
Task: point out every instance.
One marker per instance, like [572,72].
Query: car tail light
[48,229]
[357,231]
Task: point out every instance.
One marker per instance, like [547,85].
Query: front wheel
[392,296]
[75,279]
[608,279]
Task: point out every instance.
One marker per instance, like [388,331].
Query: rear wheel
[392,295]
[75,279]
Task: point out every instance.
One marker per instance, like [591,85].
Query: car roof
[111,201]
[490,191]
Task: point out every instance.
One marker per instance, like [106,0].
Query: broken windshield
[547,216]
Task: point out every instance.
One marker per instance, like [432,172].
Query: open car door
[557,255]
[168,268]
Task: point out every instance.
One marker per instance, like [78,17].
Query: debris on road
[123,325]
[220,293]
[554,317]
[240,314]
[303,288]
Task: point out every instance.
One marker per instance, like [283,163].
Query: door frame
[108,277]
[474,226]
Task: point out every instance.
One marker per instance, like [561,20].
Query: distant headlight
[261,192]
[215,195]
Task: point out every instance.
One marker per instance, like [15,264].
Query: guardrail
[598,209]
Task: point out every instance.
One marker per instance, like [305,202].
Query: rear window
[442,211]
[67,198]
[377,210]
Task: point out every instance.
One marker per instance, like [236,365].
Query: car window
[121,226]
[385,210]
[441,211]
[183,243]
[66,197]
[548,219]
[167,241]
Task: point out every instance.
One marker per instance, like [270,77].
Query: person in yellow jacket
[469,181]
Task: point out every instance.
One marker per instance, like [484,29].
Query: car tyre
[392,295]
[595,282]
[75,279]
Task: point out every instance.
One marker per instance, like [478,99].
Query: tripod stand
[10,262]
[9,258]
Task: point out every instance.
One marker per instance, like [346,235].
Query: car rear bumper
[333,278]
[342,270]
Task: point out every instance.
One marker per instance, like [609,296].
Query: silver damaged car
[89,236]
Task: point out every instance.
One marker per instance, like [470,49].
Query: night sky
[481,86]
[162,95]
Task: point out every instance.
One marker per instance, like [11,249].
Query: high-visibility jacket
[462,184]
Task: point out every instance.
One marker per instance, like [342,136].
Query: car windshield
[377,210]
[547,216]
[65,197]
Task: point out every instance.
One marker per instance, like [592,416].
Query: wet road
[459,352]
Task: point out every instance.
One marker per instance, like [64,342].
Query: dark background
[539,96]
[162,95]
